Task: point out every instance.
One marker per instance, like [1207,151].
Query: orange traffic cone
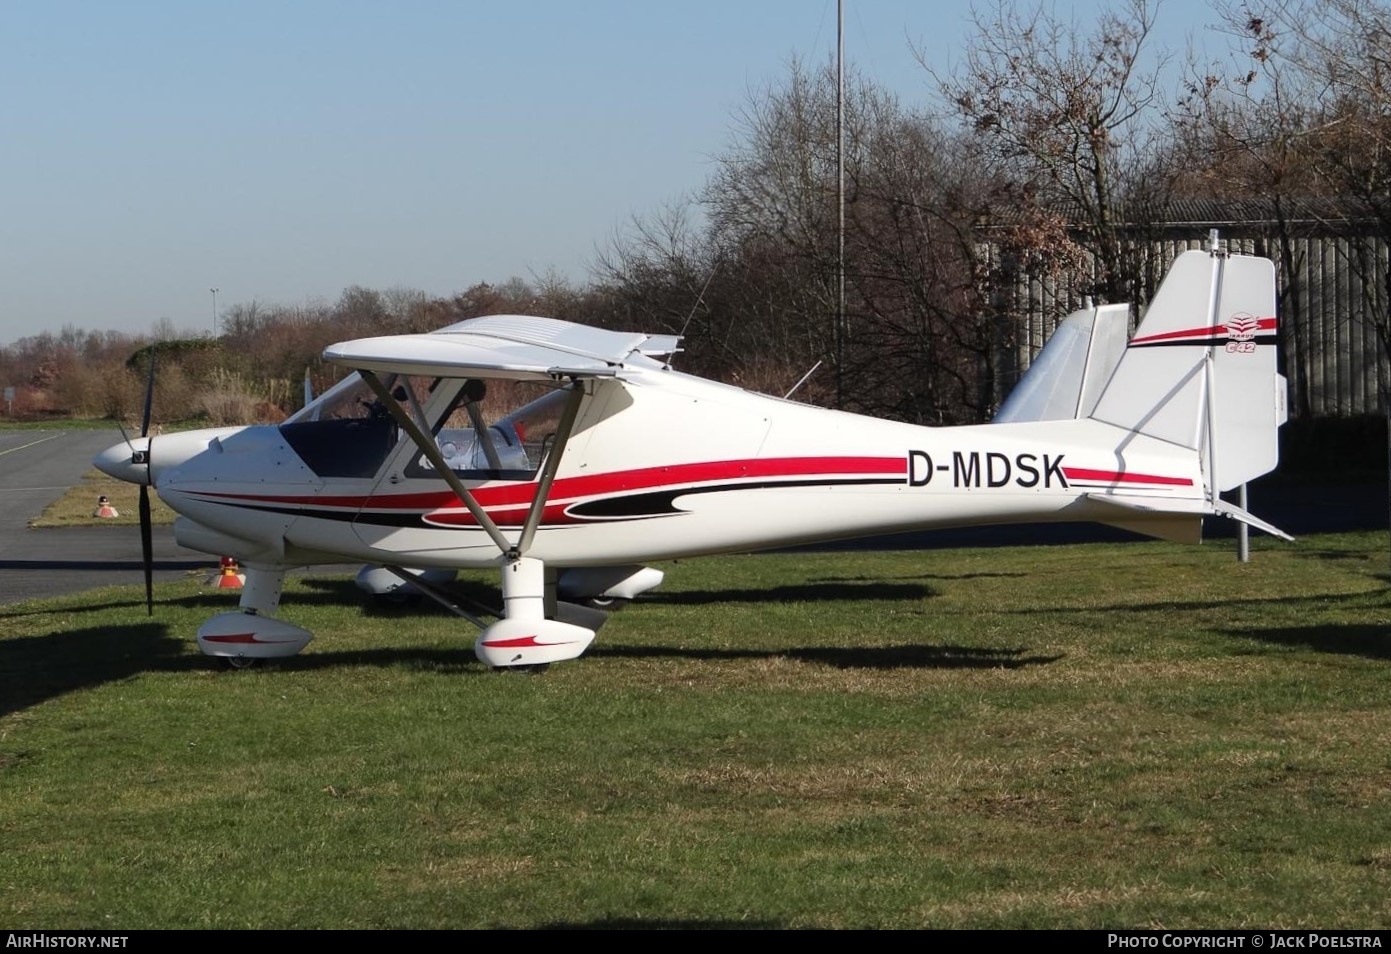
[104,508]
[229,578]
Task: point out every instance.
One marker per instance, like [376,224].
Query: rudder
[1201,370]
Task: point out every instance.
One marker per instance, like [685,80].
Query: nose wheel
[535,669]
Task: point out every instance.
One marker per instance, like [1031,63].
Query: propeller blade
[149,398]
[147,548]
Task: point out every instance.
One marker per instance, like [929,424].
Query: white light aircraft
[621,460]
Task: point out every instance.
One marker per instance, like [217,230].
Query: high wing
[517,347]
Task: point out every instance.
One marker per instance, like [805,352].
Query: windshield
[332,402]
[497,430]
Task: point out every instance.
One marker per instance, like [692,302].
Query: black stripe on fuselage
[655,503]
[660,503]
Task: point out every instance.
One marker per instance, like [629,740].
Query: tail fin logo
[1242,327]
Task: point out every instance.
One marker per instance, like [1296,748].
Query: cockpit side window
[484,430]
[347,432]
[343,447]
[491,446]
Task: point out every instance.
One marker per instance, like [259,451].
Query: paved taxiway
[38,467]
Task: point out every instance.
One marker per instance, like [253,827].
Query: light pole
[214,291]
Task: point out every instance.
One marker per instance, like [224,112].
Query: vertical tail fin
[1201,372]
[1065,379]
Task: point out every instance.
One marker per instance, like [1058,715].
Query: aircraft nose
[128,461]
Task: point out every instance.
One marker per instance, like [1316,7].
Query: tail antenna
[1216,246]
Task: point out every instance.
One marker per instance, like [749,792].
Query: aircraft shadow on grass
[829,591]
[921,656]
[1367,640]
[1168,606]
[34,669]
[326,592]
[824,589]
[477,594]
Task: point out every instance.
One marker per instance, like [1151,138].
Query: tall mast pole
[840,327]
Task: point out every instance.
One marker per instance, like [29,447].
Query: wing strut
[439,595]
[543,486]
[480,428]
[432,453]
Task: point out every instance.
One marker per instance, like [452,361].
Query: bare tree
[1243,133]
[772,208]
[1067,113]
[1300,115]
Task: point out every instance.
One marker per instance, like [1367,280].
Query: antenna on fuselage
[689,317]
[802,380]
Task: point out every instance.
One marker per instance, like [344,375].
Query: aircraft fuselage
[662,465]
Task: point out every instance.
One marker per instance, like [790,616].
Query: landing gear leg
[243,638]
[261,592]
[525,638]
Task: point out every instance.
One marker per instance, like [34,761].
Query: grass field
[77,506]
[1102,735]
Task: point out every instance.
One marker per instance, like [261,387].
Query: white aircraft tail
[1200,370]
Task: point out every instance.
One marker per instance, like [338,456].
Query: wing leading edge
[519,347]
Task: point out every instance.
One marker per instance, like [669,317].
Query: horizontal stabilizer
[1224,509]
[1182,508]
[1179,521]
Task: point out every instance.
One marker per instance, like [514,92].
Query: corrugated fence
[1332,301]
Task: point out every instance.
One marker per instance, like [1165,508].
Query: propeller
[146,528]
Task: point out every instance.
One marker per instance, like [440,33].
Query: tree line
[1054,148]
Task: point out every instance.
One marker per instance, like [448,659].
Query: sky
[280,152]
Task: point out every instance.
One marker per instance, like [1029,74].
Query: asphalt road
[38,467]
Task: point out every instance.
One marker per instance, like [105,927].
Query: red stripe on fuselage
[1121,477]
[520,493]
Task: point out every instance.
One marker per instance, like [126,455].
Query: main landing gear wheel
[241,662]
[535,669]
[610,604]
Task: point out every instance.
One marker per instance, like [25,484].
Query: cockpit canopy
[493,430]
